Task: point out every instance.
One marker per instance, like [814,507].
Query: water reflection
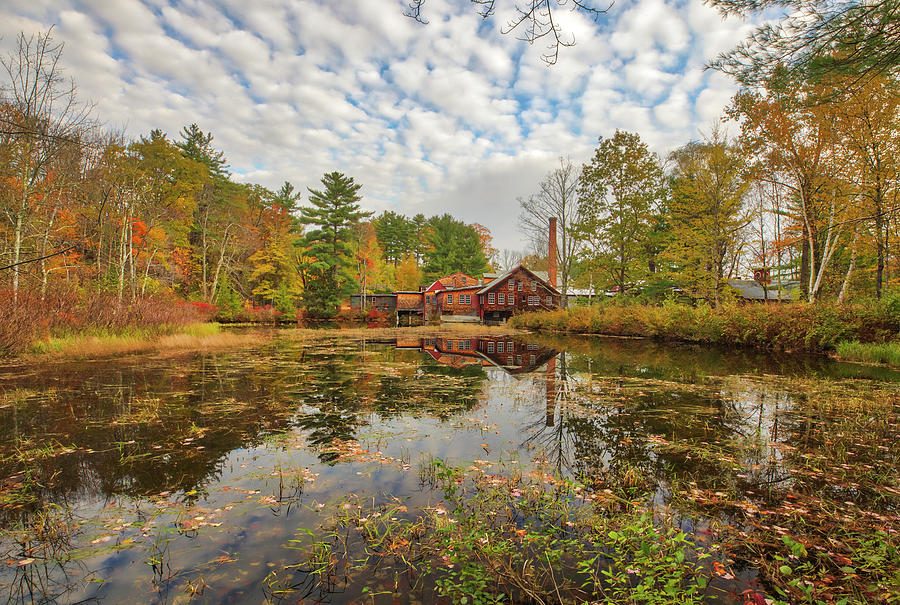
[98,459]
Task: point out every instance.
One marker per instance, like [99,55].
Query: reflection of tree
[609,420]
[336,402]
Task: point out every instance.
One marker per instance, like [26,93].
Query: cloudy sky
[448,116]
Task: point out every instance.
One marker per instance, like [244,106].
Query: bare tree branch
[534,20]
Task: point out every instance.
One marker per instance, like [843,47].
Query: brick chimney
[551,261]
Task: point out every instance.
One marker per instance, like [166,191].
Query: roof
[750,289]
[447,281]
[472,287]
[503,277]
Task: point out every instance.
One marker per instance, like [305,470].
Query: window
[490,347]
[549,300]
[512,285]
[465,345]
[518,360]
[499,347]
[519,284]
[449,298]
[509,347]
[491,298]
[501,299]
[509,360]
[511,299]
[534,286]
[468,299]
[532,359]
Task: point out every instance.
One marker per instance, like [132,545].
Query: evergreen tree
[329,274]
[396,236]
[287,198]
[197,145]
[453,246]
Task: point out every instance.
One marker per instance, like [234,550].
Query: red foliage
[31,317]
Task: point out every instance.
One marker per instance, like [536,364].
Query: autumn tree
[618,193]
[793,142]
[869,127]
[486,239]
[707,213]
[42,118]
[557,197]
[329,275]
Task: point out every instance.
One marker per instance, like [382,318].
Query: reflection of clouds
[423,116]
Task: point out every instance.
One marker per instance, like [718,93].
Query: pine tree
[329,276]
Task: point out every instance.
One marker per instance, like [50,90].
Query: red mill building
[460,297]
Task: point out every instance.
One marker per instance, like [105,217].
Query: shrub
[793,326]
[30,317]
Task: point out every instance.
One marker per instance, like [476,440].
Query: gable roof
[447,281]
[504,276]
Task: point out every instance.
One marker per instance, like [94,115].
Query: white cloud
[449,116]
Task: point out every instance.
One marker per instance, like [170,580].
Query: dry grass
[195,337]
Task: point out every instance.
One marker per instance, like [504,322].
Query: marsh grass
[98,343]
[869,352]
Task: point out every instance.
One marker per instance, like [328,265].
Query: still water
[198,478]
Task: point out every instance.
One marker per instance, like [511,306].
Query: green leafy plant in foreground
[516,537]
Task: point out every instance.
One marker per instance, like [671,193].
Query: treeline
[806,193]
[92,214]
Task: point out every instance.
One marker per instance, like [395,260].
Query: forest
[94,222]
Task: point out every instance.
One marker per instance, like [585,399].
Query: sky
[448,116]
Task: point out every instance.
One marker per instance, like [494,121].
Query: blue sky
[448,116]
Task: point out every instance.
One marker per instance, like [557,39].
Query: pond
[412,467]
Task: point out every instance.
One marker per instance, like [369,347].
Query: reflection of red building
[510,355]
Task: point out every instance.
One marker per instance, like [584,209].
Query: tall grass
[870,352]
[793,327]
[30,318]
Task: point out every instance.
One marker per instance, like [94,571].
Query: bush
[30,318]
[792,326]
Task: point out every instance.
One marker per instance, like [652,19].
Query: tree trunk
[215,283]
[846,285]
[44,271]
[17,247]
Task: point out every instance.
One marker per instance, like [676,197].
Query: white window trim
[490,298]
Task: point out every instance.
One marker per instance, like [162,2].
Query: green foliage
[197,145]
[707,216]
[510,538]
[228,301]
[619,193]
[870,352]
[652,564]
[453,246]
[396,236]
